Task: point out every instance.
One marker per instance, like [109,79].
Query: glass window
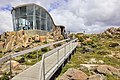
[43,24]
[49,23]
[37,11]
[30,22]
[38,23]
[22,23]
[17,24]
[30,10]
[43,13]
[23,11]
[17,12]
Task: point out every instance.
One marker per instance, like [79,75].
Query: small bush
[80,38]
[93,45]
[44,49]
[113,45]
[57,45]
[45,42]
[22,60]
[5,77]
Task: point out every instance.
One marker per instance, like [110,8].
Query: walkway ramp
[50,63]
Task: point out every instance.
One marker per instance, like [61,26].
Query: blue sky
[7,7]
[92,16]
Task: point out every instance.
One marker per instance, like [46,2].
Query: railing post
[37,55]
[10,67]
[58,56]
[69,46]
[42,76]
[43,70]
[72,45]
[65,50]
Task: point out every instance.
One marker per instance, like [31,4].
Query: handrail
[4,59]
[42,68]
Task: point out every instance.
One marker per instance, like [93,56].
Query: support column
[34,18]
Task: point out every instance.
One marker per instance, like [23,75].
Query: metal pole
[10,68]
[72,45]
[37,55]
[65,50]
[43,65]
[58,56]
[69,46]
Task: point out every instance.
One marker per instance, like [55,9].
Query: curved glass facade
[31,17]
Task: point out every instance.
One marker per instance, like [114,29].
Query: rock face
[106,69]
[1,44]
[14,40]
[56,34]
[73,74]
[96,77]
[14,64]
[10,41]
[112,32]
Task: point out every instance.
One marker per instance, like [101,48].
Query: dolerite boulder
[14,64]
[1,45]
[14,40]
[55,34]
[42,38]
[112,32]
[97,77]
[106,69]
[37,38]
[87,49]
[73,74]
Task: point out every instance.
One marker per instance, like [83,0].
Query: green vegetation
[5,77]
[97,46]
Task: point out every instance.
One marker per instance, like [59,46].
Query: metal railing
[53,59]
[9,57]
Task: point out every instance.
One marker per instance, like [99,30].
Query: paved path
[33,73]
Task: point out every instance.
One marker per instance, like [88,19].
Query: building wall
[34,32]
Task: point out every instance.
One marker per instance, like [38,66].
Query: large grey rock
[106,69]
[96,77]
[14,65]
[73,74]
[92,61]
[87,49]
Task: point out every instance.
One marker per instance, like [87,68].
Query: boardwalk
[52,61]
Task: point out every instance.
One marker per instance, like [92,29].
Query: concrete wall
[34,32]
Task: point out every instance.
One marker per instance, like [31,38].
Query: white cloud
[77,15]
[89,15]
[5,21]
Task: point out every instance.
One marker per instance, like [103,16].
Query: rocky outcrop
[56,34]
[12,41]
[97,77]
[1,44]
[73,74]
[14,65]
[106,69]
[112,32]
